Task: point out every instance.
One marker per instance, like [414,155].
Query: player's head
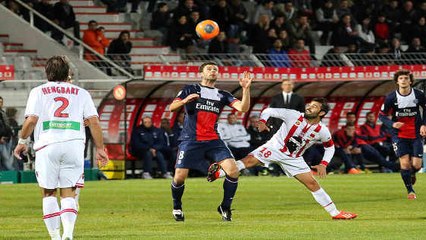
[351,117]
[209,71]
[350,129]
[287,85]
[57,69]
[403,78]
[318,107]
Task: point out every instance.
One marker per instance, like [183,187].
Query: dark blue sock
[177,192]
[229,188]
[406,177]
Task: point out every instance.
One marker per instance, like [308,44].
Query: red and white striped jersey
[296,135]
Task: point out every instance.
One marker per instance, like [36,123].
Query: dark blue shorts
[195,154]
[412,147]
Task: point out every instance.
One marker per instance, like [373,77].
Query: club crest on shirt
[297,123]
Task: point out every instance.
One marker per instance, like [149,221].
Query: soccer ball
[207,29]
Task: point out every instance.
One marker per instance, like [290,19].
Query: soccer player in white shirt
[55,112]
[298,132]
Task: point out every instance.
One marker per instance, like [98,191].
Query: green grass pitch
[264,208]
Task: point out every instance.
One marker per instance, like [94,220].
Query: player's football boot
[213,172]
[413,178]
[411,195]
[226,213]
[178,215]
[345,216]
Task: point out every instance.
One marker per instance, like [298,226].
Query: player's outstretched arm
[177,104]
[245,83]
[96,131]
[27,129]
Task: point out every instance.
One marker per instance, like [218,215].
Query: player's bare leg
[322,197]
[51,213]
[68,212]
[178,187]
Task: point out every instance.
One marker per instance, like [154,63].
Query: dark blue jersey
[202,114]
[405,109]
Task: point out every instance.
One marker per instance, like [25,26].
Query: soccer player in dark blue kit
[408,127]
[199,139]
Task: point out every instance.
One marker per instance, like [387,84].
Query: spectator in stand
[278,57]
[45,8]
[147,144]
[374,135]
[119,51]
[419,30]
[346,148]
[345,32]
[408,17]
[300,29]
[279,23]
[272,36]
[365,33]
[286,99]
[299,56]
[95,38]
[64,16]
[237,20]
[289,11]
[343,9]
[171,144]
[235,136]
[256,138]
[333,57]
[382,29]
[263,9]
[161,20]
[392,12]
[327,19]
[181,34]
[184,9]
[259,35]
[415,52]
[396,51]
[221,13]
[285,39]
[383,55]
[6,140]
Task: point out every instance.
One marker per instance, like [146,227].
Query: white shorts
[60,164]
[267,154]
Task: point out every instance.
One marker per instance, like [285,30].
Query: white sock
[240,165]
[51,217]
[68,216]
[325,201]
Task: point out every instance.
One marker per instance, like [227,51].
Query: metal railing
[82,46]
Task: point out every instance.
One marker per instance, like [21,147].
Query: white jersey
[296,134]
[61,108]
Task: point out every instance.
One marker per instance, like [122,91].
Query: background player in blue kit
[408,127]
[199,138]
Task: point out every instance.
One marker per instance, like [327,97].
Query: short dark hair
[324,105]
[124,32]
[371,113]
[350,113]
[57,69]
[92,21]
[401,73]
[205,64]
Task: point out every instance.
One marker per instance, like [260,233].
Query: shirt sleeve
[89,107]
[229,98]
[386,111]
[328,144]
[183,93]
[34,104]
[281,113]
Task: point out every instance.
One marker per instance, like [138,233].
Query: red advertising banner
[162,72]
[7,72]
